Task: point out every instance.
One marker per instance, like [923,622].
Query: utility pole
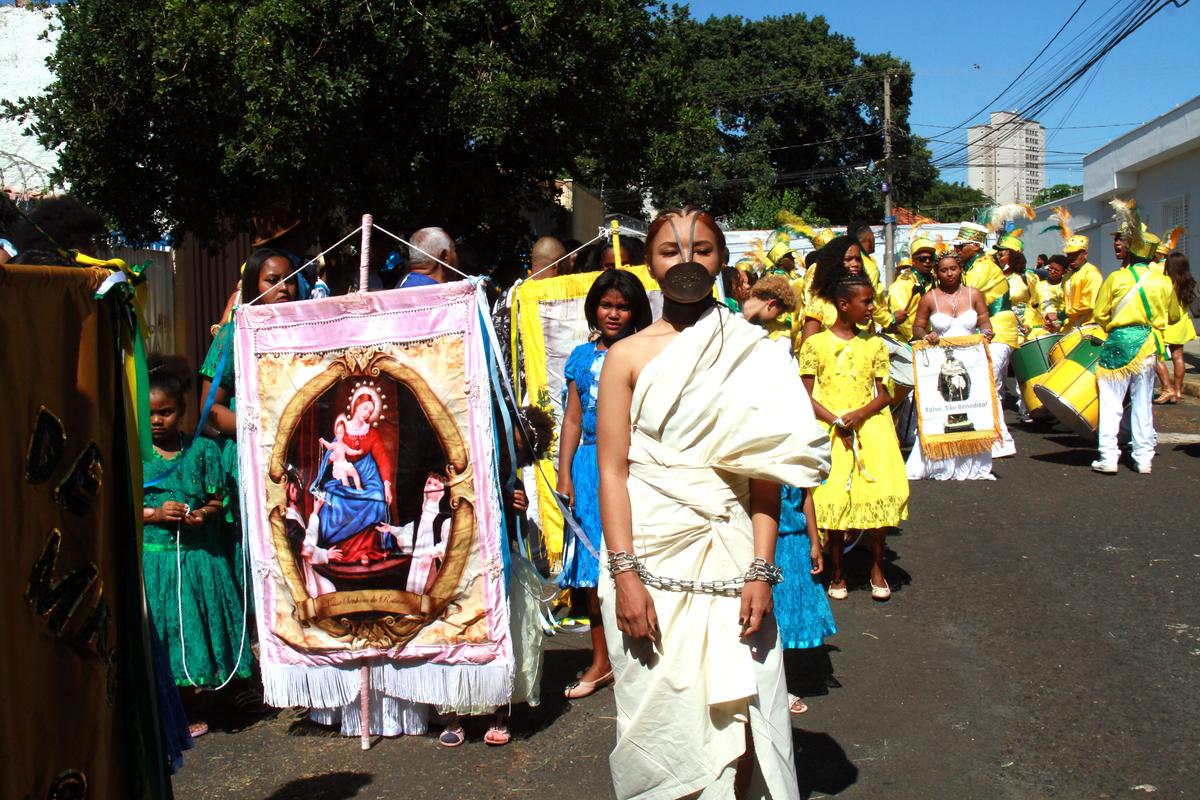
[889,218]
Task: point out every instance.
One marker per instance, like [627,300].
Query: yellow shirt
[871,268]
[984,274]
[1021,291]
[1047,297]
[1081,295]
[1160,297]
[905,295]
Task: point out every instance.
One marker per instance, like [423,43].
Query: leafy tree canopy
[758,210]
[794,105]
[950,202]
[188,115]
[1056,192]
[191,115]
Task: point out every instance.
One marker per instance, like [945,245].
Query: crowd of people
[717,461]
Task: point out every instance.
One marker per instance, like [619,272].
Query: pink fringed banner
[370,500]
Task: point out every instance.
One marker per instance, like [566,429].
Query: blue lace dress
[581,567]
[801,608]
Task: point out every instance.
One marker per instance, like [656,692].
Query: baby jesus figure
[343,470]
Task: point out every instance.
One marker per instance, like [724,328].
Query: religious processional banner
[76,689]
[548,322]
[370,499]
[955,396]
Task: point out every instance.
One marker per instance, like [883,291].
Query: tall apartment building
[1007,158]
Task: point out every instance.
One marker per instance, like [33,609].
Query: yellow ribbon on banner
[527,327]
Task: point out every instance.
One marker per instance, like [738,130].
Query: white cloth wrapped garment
[717,407]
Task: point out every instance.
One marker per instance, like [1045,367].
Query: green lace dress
[229,454]
[210,604]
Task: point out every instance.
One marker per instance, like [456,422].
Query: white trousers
[1141,415]
[1001,355]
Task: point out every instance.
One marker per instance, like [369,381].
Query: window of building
[1175,212]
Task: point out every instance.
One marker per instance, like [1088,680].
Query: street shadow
[1192,450]
[559,668]
[236,707]
[821,764]
[809,672]
[1079,452]
[333,786]
[857,565]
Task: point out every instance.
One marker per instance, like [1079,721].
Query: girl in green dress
[190,590]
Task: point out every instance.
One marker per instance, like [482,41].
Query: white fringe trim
[388,717]
[444,685]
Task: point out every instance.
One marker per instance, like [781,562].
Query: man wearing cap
[980,271]
[1134,307]
[1022,283]
[911,284]
[1082,283]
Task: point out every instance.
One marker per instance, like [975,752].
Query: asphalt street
[1043,641]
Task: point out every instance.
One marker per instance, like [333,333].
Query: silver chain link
[726,588]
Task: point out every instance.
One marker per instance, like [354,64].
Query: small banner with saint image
[955,396]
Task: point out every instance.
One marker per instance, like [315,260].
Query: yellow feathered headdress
[1170,240]
[998,217]
[1061,222]
[1129,226]
[795,225]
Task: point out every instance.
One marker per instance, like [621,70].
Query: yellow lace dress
[869,490]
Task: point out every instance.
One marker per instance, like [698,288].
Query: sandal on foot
[796,705]
[881,593]
[453,736]
[1166,398]
[197,729]
[497,736]
[581,689]
[838,592]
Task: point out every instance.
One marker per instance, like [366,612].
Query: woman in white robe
[700,420]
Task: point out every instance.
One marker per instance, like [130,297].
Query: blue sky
[1152,71]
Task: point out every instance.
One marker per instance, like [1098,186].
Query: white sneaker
[1106,468]
[1143,469]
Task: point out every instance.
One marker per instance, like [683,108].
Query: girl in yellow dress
[1179,270]
[844,370]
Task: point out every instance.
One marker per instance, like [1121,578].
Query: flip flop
[197,729]
[453,736]
[497,736]
[796,705]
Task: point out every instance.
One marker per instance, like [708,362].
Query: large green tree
[189,115]
[950,202]
[792,104]
[1056,192]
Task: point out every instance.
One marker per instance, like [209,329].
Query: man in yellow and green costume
[1134,307]
[911,284]
[980,271]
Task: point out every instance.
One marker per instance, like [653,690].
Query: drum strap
[1137,290]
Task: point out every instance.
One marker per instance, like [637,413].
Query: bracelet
[837,423]
[760,570]
[621,561]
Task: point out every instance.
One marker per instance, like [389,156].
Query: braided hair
[849,283]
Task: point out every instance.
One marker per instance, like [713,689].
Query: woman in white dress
[951,309]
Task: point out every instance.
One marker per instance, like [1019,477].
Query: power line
[1039,98]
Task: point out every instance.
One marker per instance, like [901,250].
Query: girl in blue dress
[616,306]
[801,608]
